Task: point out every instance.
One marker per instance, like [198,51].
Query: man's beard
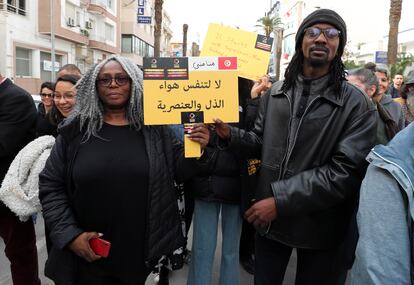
[318,61]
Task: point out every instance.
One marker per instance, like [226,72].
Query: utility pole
[278,32]
[185,30]
[52,38]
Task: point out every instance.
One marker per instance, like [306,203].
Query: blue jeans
[205,223]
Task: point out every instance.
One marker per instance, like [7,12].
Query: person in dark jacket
[43,126]
[64,98]
[17,128]
[312,133]
[406,99]
[217,192]
[365,79]
[250,95]
[46,95]
[383,98]
[110,176]
[395,87]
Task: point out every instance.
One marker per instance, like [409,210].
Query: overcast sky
[367,20]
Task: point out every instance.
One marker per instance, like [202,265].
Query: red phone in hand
[100,246]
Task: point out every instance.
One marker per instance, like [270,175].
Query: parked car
[36,99]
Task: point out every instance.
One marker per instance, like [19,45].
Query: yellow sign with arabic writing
[190,90]
[252,50]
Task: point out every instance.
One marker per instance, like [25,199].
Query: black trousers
[86,277]
[20,248]
[246,240]
[319,267]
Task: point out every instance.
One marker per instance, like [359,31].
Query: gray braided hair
[89,108]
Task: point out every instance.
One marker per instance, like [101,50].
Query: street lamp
[52,38]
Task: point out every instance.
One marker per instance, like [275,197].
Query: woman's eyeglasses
[66,96]
[329,33]
[107,81]
[48,95]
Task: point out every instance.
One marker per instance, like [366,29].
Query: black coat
[17,124]
[314,184]
[163,230]
[44,126]
[222,180]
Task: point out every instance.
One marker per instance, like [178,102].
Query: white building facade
[86,32]
[138,24]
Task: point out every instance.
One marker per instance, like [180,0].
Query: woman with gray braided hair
[110,176]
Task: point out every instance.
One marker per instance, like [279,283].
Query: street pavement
[176,277]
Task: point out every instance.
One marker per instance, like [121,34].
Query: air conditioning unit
[88,25]
[71,22]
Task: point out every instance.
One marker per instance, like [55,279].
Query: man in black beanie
[313,132]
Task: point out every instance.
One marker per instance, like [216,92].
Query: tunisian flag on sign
[227,62]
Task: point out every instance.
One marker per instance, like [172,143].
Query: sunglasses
[48,95]
[329,33]
[119,80]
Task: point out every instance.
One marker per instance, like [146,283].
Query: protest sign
[252,50]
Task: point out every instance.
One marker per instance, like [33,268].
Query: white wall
[24,30]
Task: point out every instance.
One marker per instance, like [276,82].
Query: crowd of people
[321,162]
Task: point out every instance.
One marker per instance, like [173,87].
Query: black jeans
[313,266]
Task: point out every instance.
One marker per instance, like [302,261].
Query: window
[132,44]
[78,19]
[23,62]
[17,6]
[103,3]
[45,60]
[70,12]
[126,44]
[109,32]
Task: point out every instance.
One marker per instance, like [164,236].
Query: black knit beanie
[323,16]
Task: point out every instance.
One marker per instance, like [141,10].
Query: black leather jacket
[163,229]
[316,182]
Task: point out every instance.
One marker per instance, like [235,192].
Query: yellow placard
[191,148]
[209,92]
[252,50]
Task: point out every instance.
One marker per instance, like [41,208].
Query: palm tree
[185,30]
[394,20]
[269,25]
[158,26]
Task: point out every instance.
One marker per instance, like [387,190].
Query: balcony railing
[12,7]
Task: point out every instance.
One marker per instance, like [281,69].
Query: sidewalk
[176,277]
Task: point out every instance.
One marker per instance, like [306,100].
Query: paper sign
[252,50]
[191,148]
[190,90]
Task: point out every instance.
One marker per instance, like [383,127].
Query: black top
[44,126]
[110,178]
